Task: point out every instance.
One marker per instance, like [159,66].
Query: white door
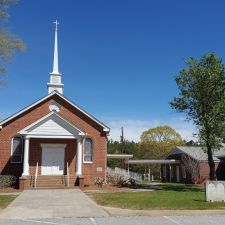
[52,161]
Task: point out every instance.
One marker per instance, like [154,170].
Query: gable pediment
[52,125]
[55,93]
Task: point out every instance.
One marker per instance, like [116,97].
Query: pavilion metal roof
[154,161]
[119,156]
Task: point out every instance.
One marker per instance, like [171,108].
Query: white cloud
[134,128]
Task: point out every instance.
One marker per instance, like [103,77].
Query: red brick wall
[79,119]
[204,169]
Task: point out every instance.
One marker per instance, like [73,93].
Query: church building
[53,143]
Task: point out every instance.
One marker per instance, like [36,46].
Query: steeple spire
[55,62]
[55,77]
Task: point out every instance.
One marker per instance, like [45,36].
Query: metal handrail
[35,177]
[67,172]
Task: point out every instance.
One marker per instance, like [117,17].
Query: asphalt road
[131,220]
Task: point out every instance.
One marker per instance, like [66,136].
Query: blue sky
[118,58]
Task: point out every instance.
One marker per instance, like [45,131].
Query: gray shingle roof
[197,153]
[220,153]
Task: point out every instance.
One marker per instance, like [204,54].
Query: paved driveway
[131,220]
[52,204]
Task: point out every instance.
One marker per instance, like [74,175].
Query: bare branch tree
[191,165]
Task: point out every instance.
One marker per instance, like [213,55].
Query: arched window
[17,149]
[88,150]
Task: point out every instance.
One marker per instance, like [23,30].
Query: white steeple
[55,77]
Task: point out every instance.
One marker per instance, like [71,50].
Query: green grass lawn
[167,196]
[5,200]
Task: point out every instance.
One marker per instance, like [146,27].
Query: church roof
[105,128]
[197,153]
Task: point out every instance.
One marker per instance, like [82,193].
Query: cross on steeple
[56,25]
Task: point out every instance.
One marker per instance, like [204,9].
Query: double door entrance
[52,159]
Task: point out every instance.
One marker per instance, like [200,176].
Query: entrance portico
[53,128]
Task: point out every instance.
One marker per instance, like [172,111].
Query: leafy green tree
[159,141]
[9,43]
[202,97]
[192,143]
[156,143]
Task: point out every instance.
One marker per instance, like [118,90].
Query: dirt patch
[109,188]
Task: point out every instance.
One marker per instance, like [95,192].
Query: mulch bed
[9,190]
[115,188]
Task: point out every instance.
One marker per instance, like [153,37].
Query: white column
[149,175]
[79,157]
[26,157]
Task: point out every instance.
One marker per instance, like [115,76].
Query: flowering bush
[99,181]
[7,181]
[120,180]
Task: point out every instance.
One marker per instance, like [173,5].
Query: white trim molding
[49,145]
[51,136]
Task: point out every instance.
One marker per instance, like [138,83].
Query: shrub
[115,179]
[99,181]
[121,180]
[7,181]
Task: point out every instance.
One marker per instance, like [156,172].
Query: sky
[118,58]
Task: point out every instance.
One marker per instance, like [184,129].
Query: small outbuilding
[192,165]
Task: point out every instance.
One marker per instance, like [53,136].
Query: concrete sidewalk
[52,204]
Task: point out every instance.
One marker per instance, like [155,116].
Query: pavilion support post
[170,173]
[149,175]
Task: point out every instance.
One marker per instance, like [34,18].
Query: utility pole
[122,148]
[122,137]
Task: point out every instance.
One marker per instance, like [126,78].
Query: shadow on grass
[180,188]
[148,187]
[198,200]
[176,187]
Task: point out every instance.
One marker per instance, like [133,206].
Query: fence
[125,173]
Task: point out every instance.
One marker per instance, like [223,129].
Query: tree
[160,141]
[192,143]
[191,166]
[202,97]
[156,143]
[9,43]
[115,147]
